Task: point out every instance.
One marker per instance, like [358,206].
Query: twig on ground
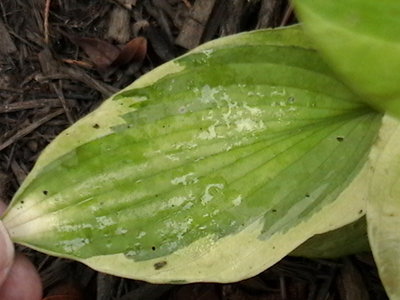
[287,15]
[31,104]
[24,131]
[46,21]
[187,3]
[64,104]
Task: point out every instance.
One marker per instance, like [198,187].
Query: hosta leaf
[210,168]
[346,240]
[383,210]
[361,41]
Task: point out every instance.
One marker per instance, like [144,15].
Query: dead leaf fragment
[135,50]
[100,52]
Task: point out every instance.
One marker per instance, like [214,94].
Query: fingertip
[23,281]
[6,253]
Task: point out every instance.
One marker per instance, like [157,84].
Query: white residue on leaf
[177,200]
[255,111]
[278,92]
[141,234]
[74,227]
[207,196]
[185,145]
[249,125]
[172,157]
[179,228]
[104,222]
[257,94]
[74,245]
[208,52]
[186,179]
[237,201]
[209,134]
[232,106]
[121,230]
[215,212]
[208,94]
[188,205]
[130,253]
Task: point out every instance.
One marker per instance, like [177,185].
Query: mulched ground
[59,59]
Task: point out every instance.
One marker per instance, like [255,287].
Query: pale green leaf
[210,168]
[361,41]
[383,210]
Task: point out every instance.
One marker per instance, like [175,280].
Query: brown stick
[38,103]
[24,131]
[64,104]
[46,21]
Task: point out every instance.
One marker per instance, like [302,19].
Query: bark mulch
[60,58]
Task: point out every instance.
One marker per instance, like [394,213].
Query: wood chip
[105,286]
[7,45]
[350,283]
[118,25]
[270,13]
[194,26]
[18,171]
[231,24]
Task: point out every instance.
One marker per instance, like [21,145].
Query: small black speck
[160,265]
[201,128]
[22,202]
[340,138]
[45,192]
[360,211]
[274,210]
[96,126]
[307,195]
[153,248]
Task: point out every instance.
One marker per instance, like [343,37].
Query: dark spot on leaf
[340,138]
[290,100]
[160,265]
[22,202]
[45,192]
[360,211]
[96,126]
[153,248]
[307,195]
[274,210]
